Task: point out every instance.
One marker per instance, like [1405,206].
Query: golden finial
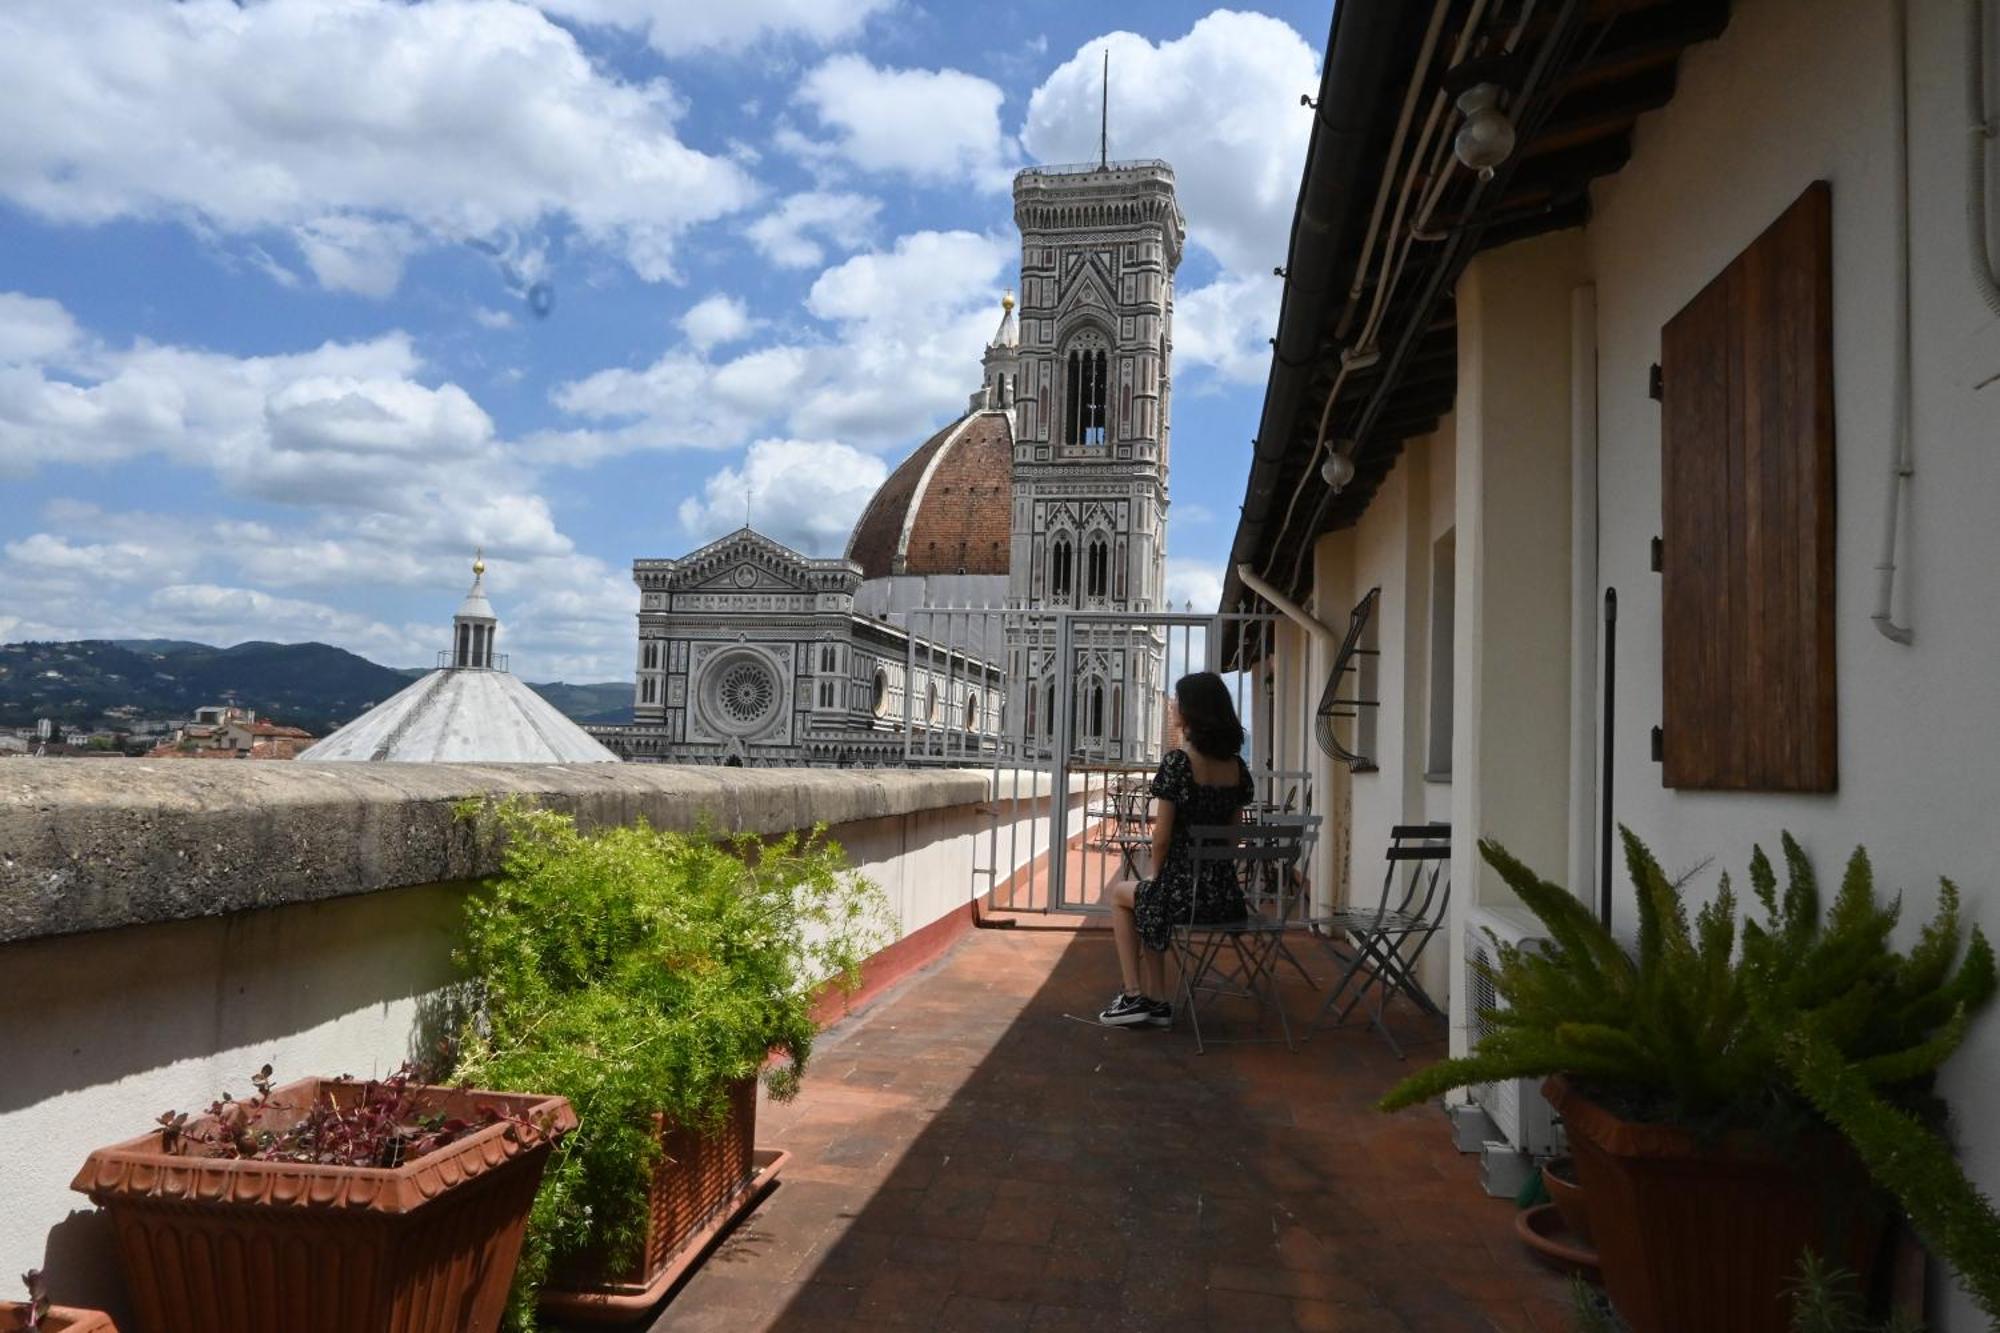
[1007,301]
[478,561]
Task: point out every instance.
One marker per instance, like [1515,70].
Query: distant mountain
[608,702]
[161,647]
[103,683]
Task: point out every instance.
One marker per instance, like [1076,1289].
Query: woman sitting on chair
[1207,783]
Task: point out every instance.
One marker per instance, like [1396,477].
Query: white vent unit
[1516,1106]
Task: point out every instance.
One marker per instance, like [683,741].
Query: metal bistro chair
[1129,823]
[1381,945]
[1239,958]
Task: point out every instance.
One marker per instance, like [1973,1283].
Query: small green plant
[1810,1019]
[1827,1299]
[385,1123]
[642,973]
[1589,1311]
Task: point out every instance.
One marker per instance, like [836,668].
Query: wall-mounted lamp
[1337,471]
[1487,137]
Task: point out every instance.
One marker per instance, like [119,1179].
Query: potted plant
[37,1315]
[328,1204]
[1737,1098]
[650,977]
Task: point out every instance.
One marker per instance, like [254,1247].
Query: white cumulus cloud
[936,126]
[1227,325]
[363,131]
[805,493]
[677,27]
[1220,103]
[796,233]
[896,350]
[717,319]
[1194,583]
[382,480]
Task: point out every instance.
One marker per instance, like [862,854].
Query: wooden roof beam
[1594,113]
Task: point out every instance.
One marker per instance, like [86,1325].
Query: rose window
[746,692]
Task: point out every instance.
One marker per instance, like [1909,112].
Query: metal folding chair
[1238,958]
[1380,946]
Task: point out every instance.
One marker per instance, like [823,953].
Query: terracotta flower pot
[59,1319]
[231,1246]
[1559,1178]
[700,1185]
[1703,1236]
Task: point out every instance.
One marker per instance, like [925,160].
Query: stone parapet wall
[101,845]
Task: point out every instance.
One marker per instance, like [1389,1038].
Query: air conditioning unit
[1523,1116]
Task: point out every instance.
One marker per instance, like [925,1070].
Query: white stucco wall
[101,1032]
[1798,90]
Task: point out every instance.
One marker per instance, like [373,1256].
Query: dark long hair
[1208,715]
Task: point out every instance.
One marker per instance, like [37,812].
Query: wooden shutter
[1747,490]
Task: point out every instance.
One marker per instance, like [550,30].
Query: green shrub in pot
[1795,1022]
[641,973]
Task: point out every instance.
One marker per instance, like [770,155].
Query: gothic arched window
[1086,390]
[1062,557]
[1097,709]
[1097,567]
[1117,712]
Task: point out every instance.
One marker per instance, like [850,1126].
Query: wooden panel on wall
[1748,518]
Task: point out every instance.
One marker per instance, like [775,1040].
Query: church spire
[1008,334]
[1104,117]
[473,627]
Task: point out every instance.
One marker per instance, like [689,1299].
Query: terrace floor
[972,1151]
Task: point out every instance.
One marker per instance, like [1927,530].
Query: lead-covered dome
[947,509]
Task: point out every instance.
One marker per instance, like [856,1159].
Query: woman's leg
[1153,973]
[1125,933]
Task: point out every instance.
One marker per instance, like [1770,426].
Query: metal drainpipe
[1985,127]
[1290,609]
[1331,871]
[1901,465]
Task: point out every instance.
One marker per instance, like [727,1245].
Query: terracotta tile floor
[967,1155]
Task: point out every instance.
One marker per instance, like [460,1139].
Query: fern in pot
[1739,1094]
[650,977]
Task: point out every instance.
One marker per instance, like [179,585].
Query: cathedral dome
[947,509]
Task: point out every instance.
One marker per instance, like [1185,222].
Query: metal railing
[447,658]
[1072,718]
[1087,168]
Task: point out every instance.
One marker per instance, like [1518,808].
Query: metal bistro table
[1128,808]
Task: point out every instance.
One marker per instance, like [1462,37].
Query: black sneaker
[1125,1011]
[1159,1014]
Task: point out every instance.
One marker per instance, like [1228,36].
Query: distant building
[225,731]
[1048,495]
[470,710]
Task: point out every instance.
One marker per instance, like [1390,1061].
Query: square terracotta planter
[227,1246]
[59,1319]
[703,1183]
[1693,1235]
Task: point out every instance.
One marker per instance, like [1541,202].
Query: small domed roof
[947,509]
[455,715]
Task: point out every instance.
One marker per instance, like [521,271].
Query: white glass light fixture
[1337,470]
[1487,137]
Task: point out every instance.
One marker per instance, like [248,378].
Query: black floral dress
[1172,897]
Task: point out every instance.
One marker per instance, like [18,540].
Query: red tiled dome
[947,509]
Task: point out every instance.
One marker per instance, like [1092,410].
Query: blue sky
[301,300]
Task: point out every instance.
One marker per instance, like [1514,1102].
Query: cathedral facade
[937,631]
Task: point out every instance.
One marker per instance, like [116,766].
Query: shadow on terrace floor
[968,1155]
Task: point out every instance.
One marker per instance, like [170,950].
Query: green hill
[103,683]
